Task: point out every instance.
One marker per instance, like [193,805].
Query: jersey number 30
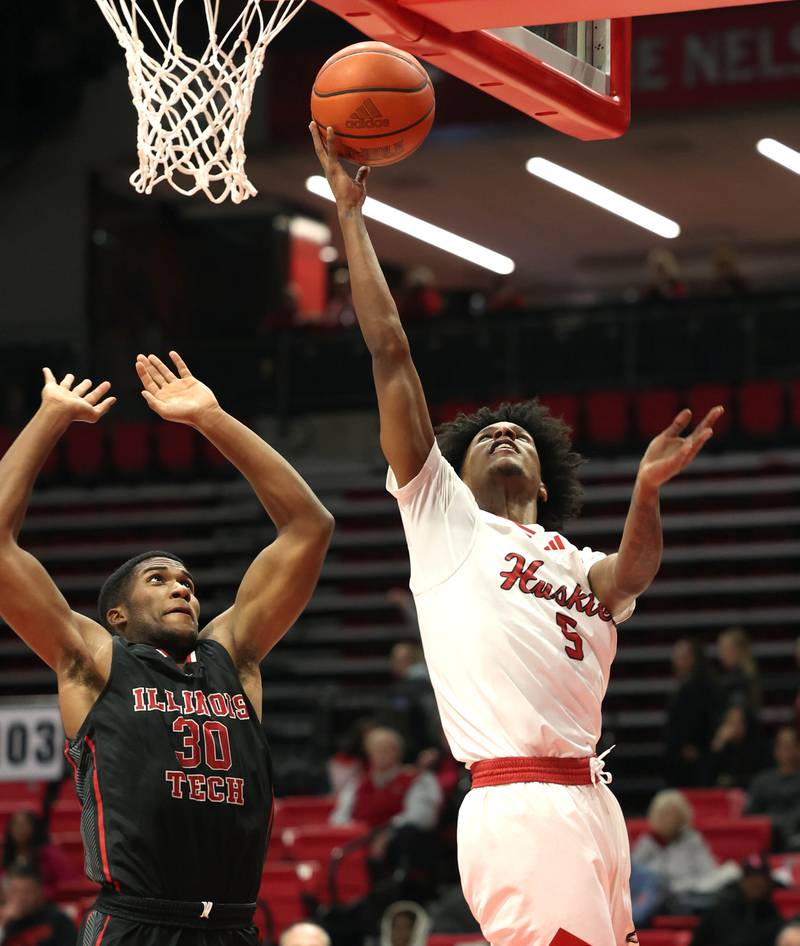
[568,626]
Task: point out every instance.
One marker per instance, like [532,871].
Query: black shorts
[99,929]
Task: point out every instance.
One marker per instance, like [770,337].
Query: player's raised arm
[29,599]
[279,582]
[620,578]
[406,430]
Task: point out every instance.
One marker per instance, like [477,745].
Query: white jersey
[519,649]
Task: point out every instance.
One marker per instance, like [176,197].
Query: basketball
[378,100]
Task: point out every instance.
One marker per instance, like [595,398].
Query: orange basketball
[378,100]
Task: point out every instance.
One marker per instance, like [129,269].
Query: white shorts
[536,858]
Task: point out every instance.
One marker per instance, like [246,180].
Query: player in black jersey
[162,719]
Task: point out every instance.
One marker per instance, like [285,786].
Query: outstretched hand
[349,192]
[669,453]
[180,398]
[81,403]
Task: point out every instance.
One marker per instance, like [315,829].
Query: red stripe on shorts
[101,827]
[102,932]
[510,770]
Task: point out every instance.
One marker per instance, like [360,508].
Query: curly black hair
[559,462]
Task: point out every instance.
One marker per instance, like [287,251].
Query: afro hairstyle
[551,436]
[115,586]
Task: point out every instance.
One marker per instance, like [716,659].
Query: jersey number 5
[574,649]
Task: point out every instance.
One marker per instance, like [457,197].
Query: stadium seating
[654,411]
[320,842]
[761,408]
[565,406]
[736,838]
[702,397]
[454,939]
[283,886]
[84,450]
[788,902]
[607,417]
[130,448]
[715,802]
[665,938]
[300,810]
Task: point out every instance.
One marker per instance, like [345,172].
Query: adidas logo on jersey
[555,545]
[367,115]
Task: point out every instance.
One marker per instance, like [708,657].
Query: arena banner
[31,741]
[717,57]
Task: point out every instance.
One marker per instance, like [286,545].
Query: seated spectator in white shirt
[678,855]
[776,792]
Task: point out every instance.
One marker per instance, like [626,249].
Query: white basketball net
[192,111]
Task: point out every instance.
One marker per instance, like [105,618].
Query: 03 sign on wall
[31,742]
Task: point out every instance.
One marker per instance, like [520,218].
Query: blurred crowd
[391,772]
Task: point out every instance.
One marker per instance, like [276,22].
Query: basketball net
[192,111]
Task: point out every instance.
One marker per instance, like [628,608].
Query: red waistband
[510,770]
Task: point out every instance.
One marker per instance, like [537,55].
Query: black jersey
[172,770]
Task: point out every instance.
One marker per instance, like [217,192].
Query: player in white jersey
[518,625]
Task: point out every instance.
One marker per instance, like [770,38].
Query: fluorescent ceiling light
[603,197]
[783,154]
[421,230]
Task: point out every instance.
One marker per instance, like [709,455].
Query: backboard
[574,77]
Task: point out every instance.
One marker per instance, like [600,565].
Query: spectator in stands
[398,802]
[26,844]
[739,678]
[691,715]
[304,934]
[727,278]
[789,935]
[776,792]
[744,914]
[676,853]
[404,923]
[664,279]
[419,298]
[27,917]
[737,750]
[349,761]
[648,895]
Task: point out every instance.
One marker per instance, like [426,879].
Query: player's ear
[117,617]
[542,493]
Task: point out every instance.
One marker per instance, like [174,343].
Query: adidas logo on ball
[367,115]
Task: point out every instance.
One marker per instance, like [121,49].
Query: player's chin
[509,464]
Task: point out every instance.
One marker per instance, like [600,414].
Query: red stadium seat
[318,842]
[736,838]
[77,888]
[715,802]
[130,448]
[655,410]
[454,939]
[449,410]
[761,408]
[607,416]
[688,922]
[565,406]
[26,794]
[283,886]
[702,397]
[65,816]
[788,865]
[302,810]
[665,938]
[788,902]
[794,404]
[84,450]
[175,447]
[636,828]
[213,460]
